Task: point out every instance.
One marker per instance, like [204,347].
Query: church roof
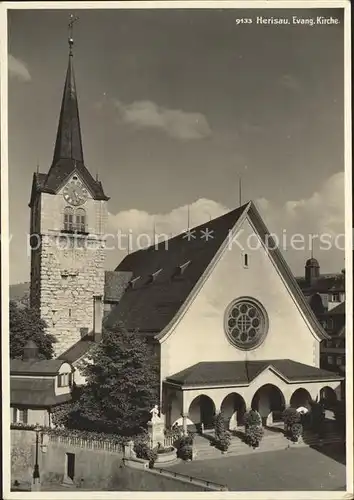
[150,305]
[243,373]
[35,392]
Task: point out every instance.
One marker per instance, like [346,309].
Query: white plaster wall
[65,368]
[218,394]
[200,336]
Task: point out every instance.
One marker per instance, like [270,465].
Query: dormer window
[133,281]
[153,276]
[181,269]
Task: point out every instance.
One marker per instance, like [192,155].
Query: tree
[25,325]
[121,384]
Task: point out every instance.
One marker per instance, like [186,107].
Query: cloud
[175,123]
[290,82]
[321,213]
[18,69]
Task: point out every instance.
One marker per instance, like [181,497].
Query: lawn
[301,469]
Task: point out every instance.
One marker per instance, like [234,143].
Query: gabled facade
[218,309]
[37,386]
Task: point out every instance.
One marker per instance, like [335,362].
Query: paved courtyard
[299,469]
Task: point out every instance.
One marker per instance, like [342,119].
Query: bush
[340,418]
[143,451]
[222,435]
[290,418]
[185,452]
[252,418]
[318,418]
[184,446]
[296,432]
[254,434]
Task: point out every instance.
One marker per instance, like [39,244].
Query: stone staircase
[272,441]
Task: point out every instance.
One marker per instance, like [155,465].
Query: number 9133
[243,20]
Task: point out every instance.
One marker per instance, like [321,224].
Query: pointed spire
[68,142]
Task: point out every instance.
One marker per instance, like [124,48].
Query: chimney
[97,318]
[30,351]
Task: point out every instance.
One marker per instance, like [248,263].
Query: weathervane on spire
[73,20]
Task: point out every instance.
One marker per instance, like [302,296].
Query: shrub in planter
[296,432]
[185,452]
[143,451]
[254,434]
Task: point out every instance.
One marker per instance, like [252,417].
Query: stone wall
[95,469]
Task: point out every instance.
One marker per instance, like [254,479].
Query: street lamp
[36,480]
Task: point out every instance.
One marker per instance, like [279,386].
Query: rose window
[246,323]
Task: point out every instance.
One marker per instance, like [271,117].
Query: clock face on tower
[75,193]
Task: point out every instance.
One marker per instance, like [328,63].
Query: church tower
[68,217]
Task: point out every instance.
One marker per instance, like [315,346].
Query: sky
[175,105]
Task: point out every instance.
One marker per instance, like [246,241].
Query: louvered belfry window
[68,219]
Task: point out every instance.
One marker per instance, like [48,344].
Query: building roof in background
[325,283]
[77,351]
[339,310]
[35,392]
[244,372]
[46,367]
[164,275]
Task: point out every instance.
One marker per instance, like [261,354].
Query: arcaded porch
[193,397]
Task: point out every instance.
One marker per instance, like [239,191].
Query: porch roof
[243,372]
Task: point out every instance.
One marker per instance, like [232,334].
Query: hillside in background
[19,292]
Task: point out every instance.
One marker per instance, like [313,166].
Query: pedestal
[156,433]
[269,421]
[233,422]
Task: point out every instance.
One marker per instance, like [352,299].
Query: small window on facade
[329,343]
[68,219]
[69,313]
[64,379]
[20,416]
[330,360]
[80,220]
[245,259]
[339,360]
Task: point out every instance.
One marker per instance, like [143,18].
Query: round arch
[300,397]
[328,396]
[233,408]
[202,411]
[269,400]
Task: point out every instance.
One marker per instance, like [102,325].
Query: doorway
[70,465]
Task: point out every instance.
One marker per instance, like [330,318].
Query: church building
[229,323]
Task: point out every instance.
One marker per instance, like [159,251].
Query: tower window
[68,219]
[80,220]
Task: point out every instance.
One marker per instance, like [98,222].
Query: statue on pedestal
[155,414]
